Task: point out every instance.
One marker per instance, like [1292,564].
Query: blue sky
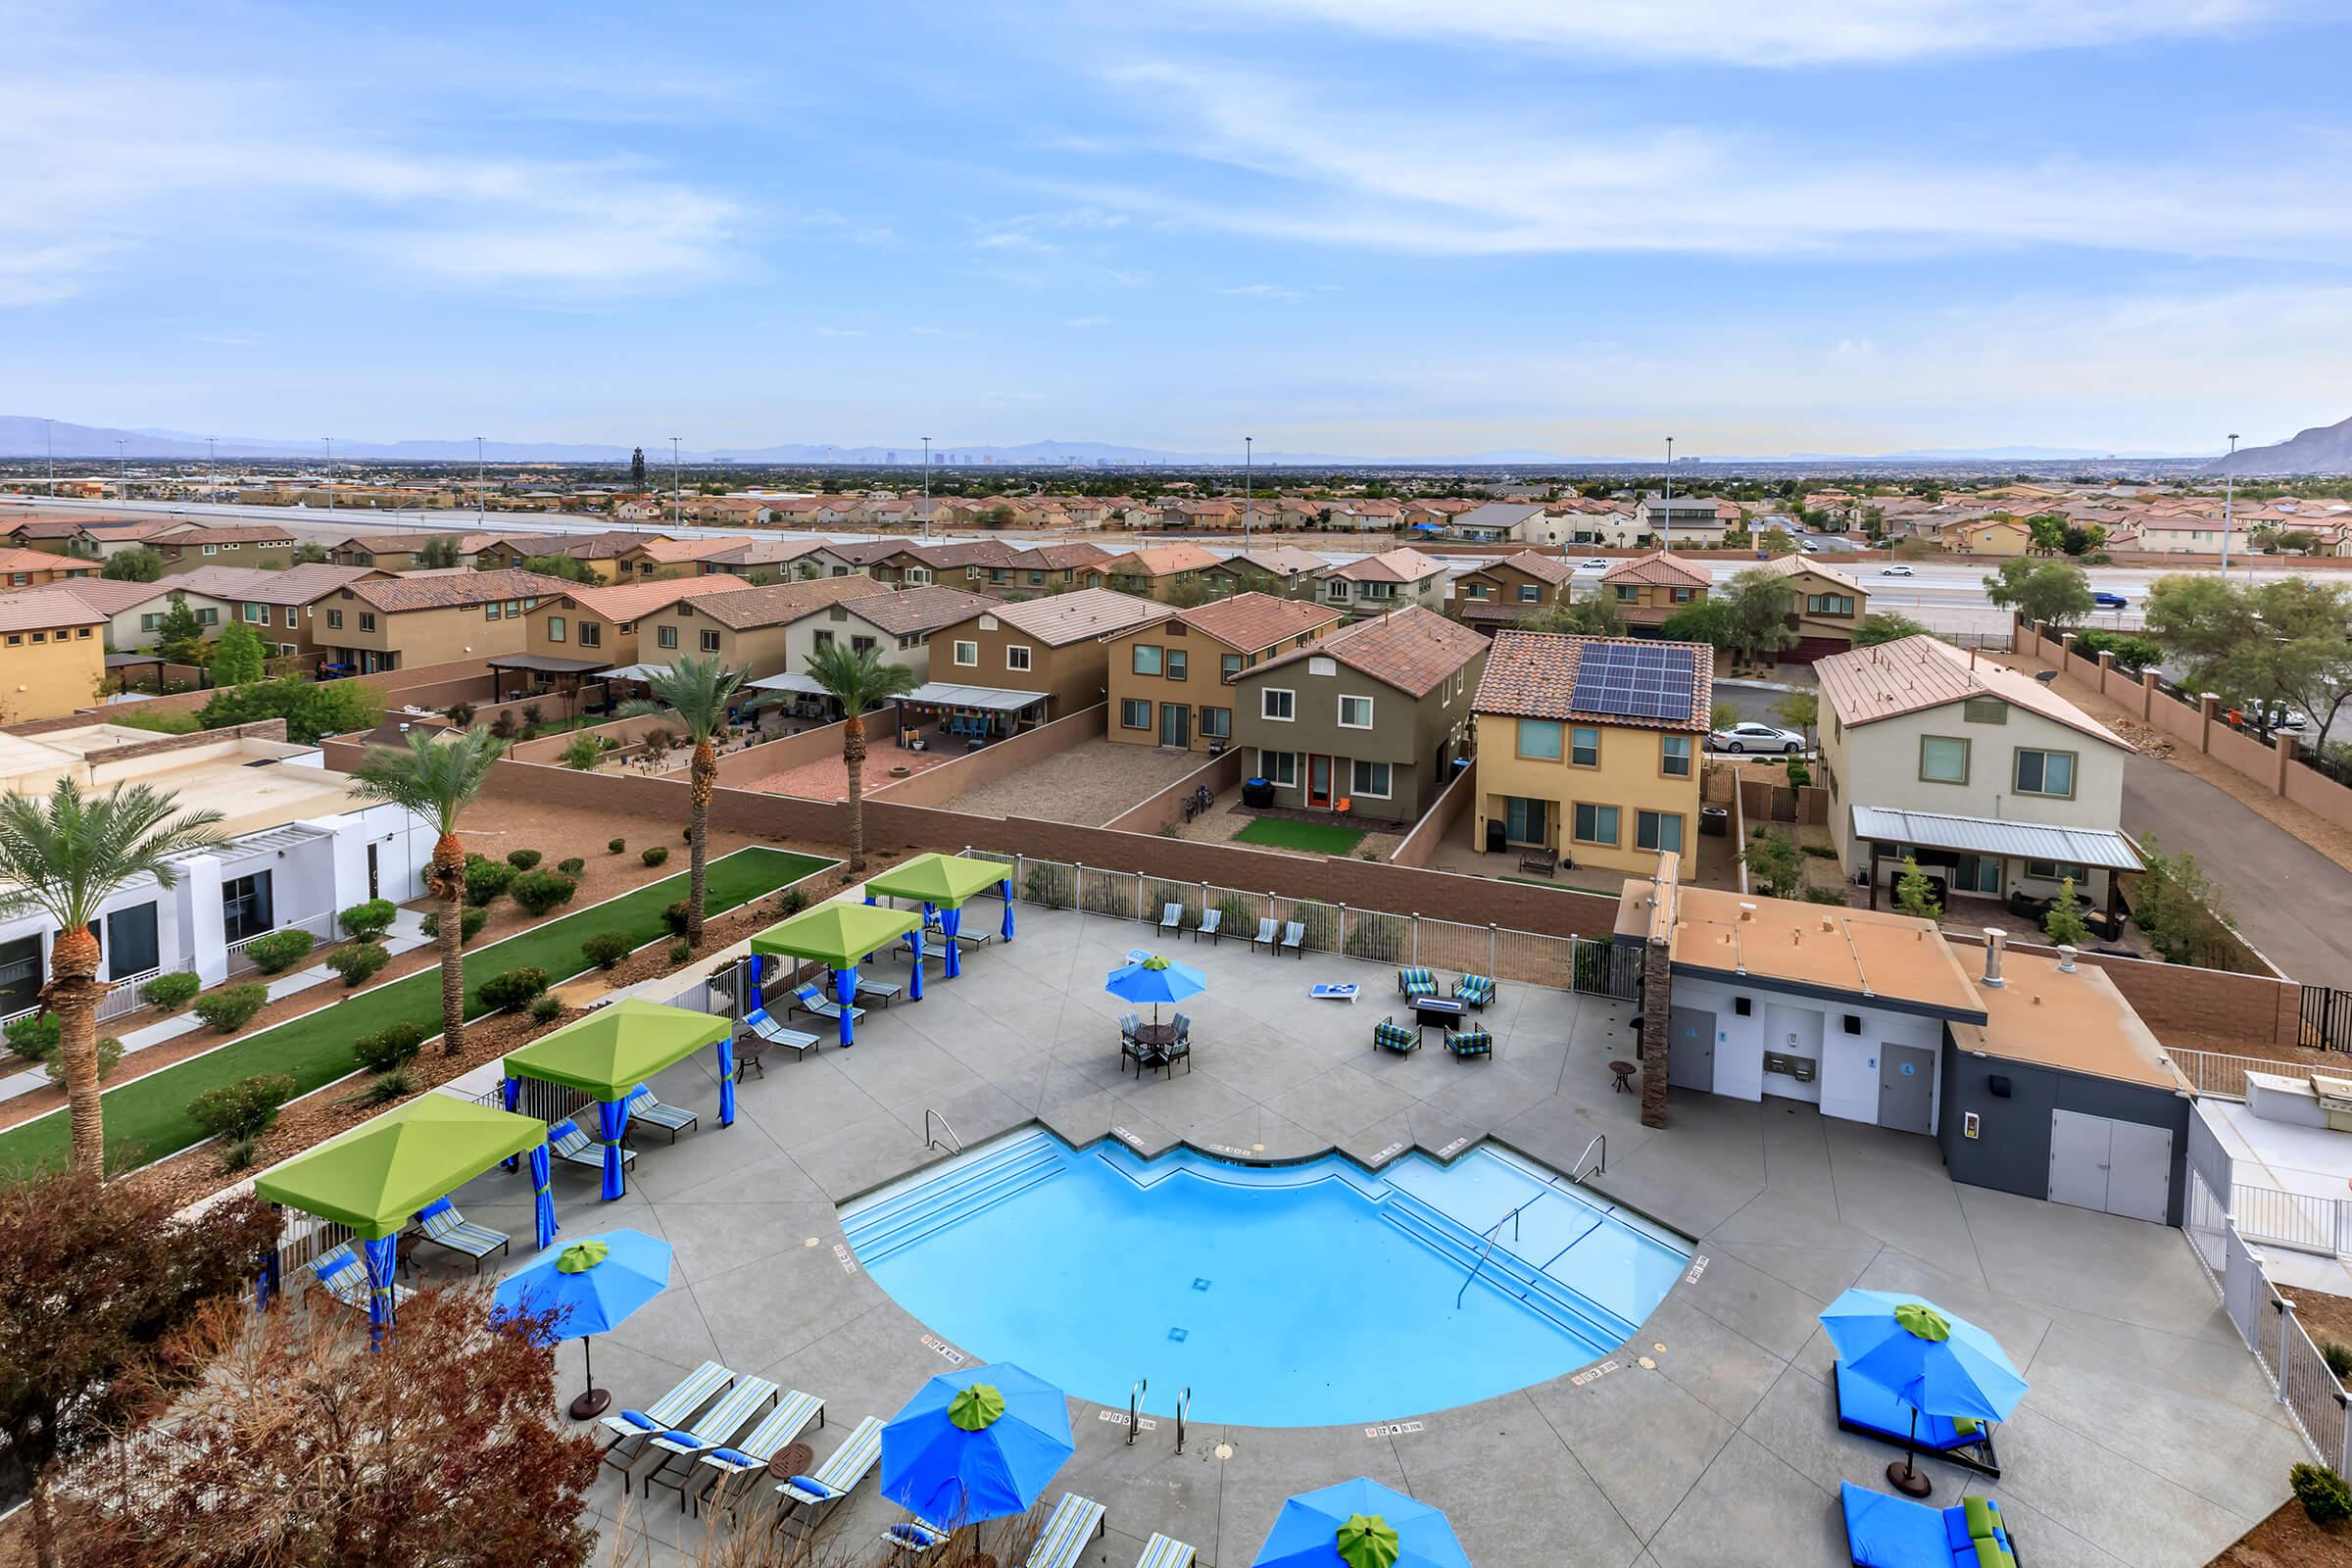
[1375,225]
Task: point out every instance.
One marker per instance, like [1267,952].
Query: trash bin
[1494,840]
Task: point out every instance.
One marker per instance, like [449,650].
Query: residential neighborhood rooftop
[1913,674]
[1410,649]
[626,600]
[1533,674]
[914,612]
[39,609]
[1402,564]
[1070,618]
[454,591]
[1252,622]
[1659,569]
[294,585]
[778,603]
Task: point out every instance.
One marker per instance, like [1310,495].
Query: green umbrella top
[838,935]
[376,1175]
[581,1256]
[1923,1322]
[946,880]
[616,1047]
[1366,1540]
[974,1407]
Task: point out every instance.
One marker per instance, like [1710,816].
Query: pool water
[1305,1295]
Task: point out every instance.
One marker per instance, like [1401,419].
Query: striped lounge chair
[1390,1035]
[440,1223]
[713,1430]
[569,1144]
[763,1032]
[692,1393]
[911,1537]
[1474,990]
[815,1002]
[777,1428]
[809,1499]
[644,1108]
[1074,1522]
[1471,1041]
[1414,984]
[344,1277]
[1165,1551]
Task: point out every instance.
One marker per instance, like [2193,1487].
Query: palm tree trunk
[701,780]
[72,994]
[852,758]
[448,881]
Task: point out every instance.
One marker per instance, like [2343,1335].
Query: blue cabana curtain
[264,1275]
[612,1120]
[758,966]
[726,1082]
[914,981]
[543,1194]
[951,922]
[381,1256]
[845,991]
[1006,888]
[509,1091]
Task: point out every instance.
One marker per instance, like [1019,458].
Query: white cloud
[840,332]
[1263,291]
[1088,320]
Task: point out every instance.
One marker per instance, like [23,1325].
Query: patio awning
[373,1177]
[994,699]
[2103,848]
[946,880]
[802,685]
[837,935]
[634,672]
[544,663]
[614,1049]
[133,661]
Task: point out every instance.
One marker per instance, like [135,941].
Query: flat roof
[993,698]
[545,663]
[2077,1022]
[248,781]
[1983,835]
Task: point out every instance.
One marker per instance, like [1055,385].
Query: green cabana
[841,936]
[374,1178]
[944,883]
[608,1055]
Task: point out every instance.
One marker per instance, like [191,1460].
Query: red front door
[1318,781]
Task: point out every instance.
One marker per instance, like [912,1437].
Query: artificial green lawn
[148,1118]
[1316,838]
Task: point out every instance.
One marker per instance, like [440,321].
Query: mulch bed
[2289,1539]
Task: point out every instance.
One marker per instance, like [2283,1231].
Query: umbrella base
[1909,1481]
[588,1406]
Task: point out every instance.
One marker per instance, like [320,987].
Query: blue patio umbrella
[1935,1363]
[588,1287]
[1155,980]
[978,1443]
[1360,1524]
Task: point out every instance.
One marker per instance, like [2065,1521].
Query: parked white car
[1751,736]
[1897,571]
[1595,564]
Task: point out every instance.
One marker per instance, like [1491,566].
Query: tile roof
[763,552]
[1251,622]
[864,552]
[1913,674]
[675,549]
[1798,565]
[389,543]
[39,609]
[600,546]
[779,603]
[259,533]
[1059,558]
[1402,564]
[1659,569]
[54,528]
[112,598]
[296,585]
[1059,619]
[1282,560]
[44,561]
[626,600]
[1160,561]
[962,553]
[1499,515]
[1532,675]
[454,591]
[912,610]
[1543,569]
[1410,649]
[114,533]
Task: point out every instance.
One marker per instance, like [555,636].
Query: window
[665,636]
[40,636]
[1320,666]
[1627,592]
[335,621]
[1539,739]
[1595,824]
[1279,704]
[709,642]
[16,639]
[1474,590]
[862,644]
[1037,579]
[967,653]
[490,610]
[1145,658]
[1355,713]
[207,616]
[367,620]
[245,907]
[2058,871]
[256,614]
[1279,768]
[1371,780]
[1674,755]
[554,628]
[1229,667]
[1681,596]
[1943,759]
[1984,710]
[150,622]
[1336,589]
[1017,656]
[592,634]
[131,946]
[212,550]
[1179,665]
[1829,604]
[1135,713]
[19,579]
[1583,747]
[1530,593]
[821,638]
[2045,773]
[1216,724]
[1657,830]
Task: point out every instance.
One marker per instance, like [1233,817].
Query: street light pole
[480,484]
[49,446]
[2229,492]
[331,473]
[926,487]
[675,507]
[1667,537]
[121,474]
[1248,488]
[211,480]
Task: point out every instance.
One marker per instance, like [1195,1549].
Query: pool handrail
[1486,1245]
[1135,1408]
[1577,1172]
[1184,1403]
[954,1144]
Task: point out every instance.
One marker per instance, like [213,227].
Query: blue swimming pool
[1303,1295]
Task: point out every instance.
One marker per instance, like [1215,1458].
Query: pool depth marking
[952,1355]
[1396,1429]
[847,1259]
[1590,1373]
[1699,1266]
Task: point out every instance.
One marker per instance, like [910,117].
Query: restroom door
[1906,1088]
[1690,1050]
[372,871]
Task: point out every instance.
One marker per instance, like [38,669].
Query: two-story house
[1992,781]
[600,623]
[1045,567]
[1693,521]
[767,559]
[1168,676]
[52,653]
[38,569]
[281,607]
[1053,646]
[262,545]
[1376,584]
[1828,608]
[1647,589]
[383,624]
[1508,522]
[1510,589]
[1367,721]
[1157,570]
[1284,570]
[752,629]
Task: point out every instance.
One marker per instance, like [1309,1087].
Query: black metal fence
[1606,969]
[2326,1018]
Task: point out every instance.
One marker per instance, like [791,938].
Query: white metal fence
[2296,1371]
[2223,1077]
[320,926]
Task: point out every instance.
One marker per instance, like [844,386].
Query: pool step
[1546,1296]
[925,1209]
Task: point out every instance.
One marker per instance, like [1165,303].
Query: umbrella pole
[593,1400]
[1905,1477]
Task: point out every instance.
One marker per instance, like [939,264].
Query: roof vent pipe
[2066,959]
[1747,912]
[1996,940]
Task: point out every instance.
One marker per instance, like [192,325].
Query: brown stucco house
[383,623]
[1645,590]
[1055,646]
[756,630]
[1167,676]
[1511,589]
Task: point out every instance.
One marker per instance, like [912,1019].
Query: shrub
[581,753]
[461,714]
[231,1008]
[607,949]
[532,716]
[686,837]
[383,1087]
[369,921]
[2338,1358]
[541,891]
[279,950]
[1378,937]
[243,1109]
[616,845]
[356,963]
[655,856]
[792,902]
[33,1038]
[572,867]
[523,860]
[390,1049]
[487,880]
[1799,775]
[169,993]
[238,1156]
[2323,1493]
[505,993]
[674,916]
[469,924]
[110,1051]
[1048,885]
[546,1008]
[681,952]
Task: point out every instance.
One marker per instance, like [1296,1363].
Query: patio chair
[688,1396]
[440,1223]
[885,992]
[1471,1041]
[1868,1411]
[713,1428]
[766,1032]
[1474,990]
[1165,1551]
[1414,984]
[808,1499]
[809,1000]
[1884,1531]
[763,1442]
[912,1536]
[569,1144]
[1294,941]
[1212,926]
[1268,932]
[644,1108]
[1074,1522]
[1390,1035]
[1171,917]
[342,1275]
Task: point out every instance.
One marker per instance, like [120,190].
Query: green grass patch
[1316,838]
[148,1118]
[1560,887]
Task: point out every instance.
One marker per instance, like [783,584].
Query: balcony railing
[320,926]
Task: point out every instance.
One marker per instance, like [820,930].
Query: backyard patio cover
[943,882]
[841,935]
[995,698]
[608,1053]
[788,681]
[641,673]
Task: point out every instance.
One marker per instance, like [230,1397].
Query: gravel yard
[1091,782]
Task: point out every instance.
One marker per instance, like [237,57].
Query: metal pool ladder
[1486,1245]
[953,1143]
[1135,1408]
[1184,1403]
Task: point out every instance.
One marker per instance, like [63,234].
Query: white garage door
[2118,1167]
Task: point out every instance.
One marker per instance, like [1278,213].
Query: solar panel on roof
[1635,680]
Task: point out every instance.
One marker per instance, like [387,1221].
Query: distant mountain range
[2321,449]
[24,437]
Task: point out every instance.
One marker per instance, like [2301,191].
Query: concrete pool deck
[2149,1437]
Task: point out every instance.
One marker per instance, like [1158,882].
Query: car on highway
[1897,571]
[1750,736]
[2107,600]
[1595,564]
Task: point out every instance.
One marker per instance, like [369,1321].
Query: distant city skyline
[1354,226]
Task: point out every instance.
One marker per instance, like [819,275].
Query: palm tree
[858,680]
[63,858]
[698,691]
[437,779]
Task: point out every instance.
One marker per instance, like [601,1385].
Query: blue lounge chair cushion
[737,1456]
[1864,1404]
[684,1439]
[911,1534]
[641,1421]
[809,1487]
[1883,1530]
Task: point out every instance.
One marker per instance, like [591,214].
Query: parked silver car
[1750,736]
